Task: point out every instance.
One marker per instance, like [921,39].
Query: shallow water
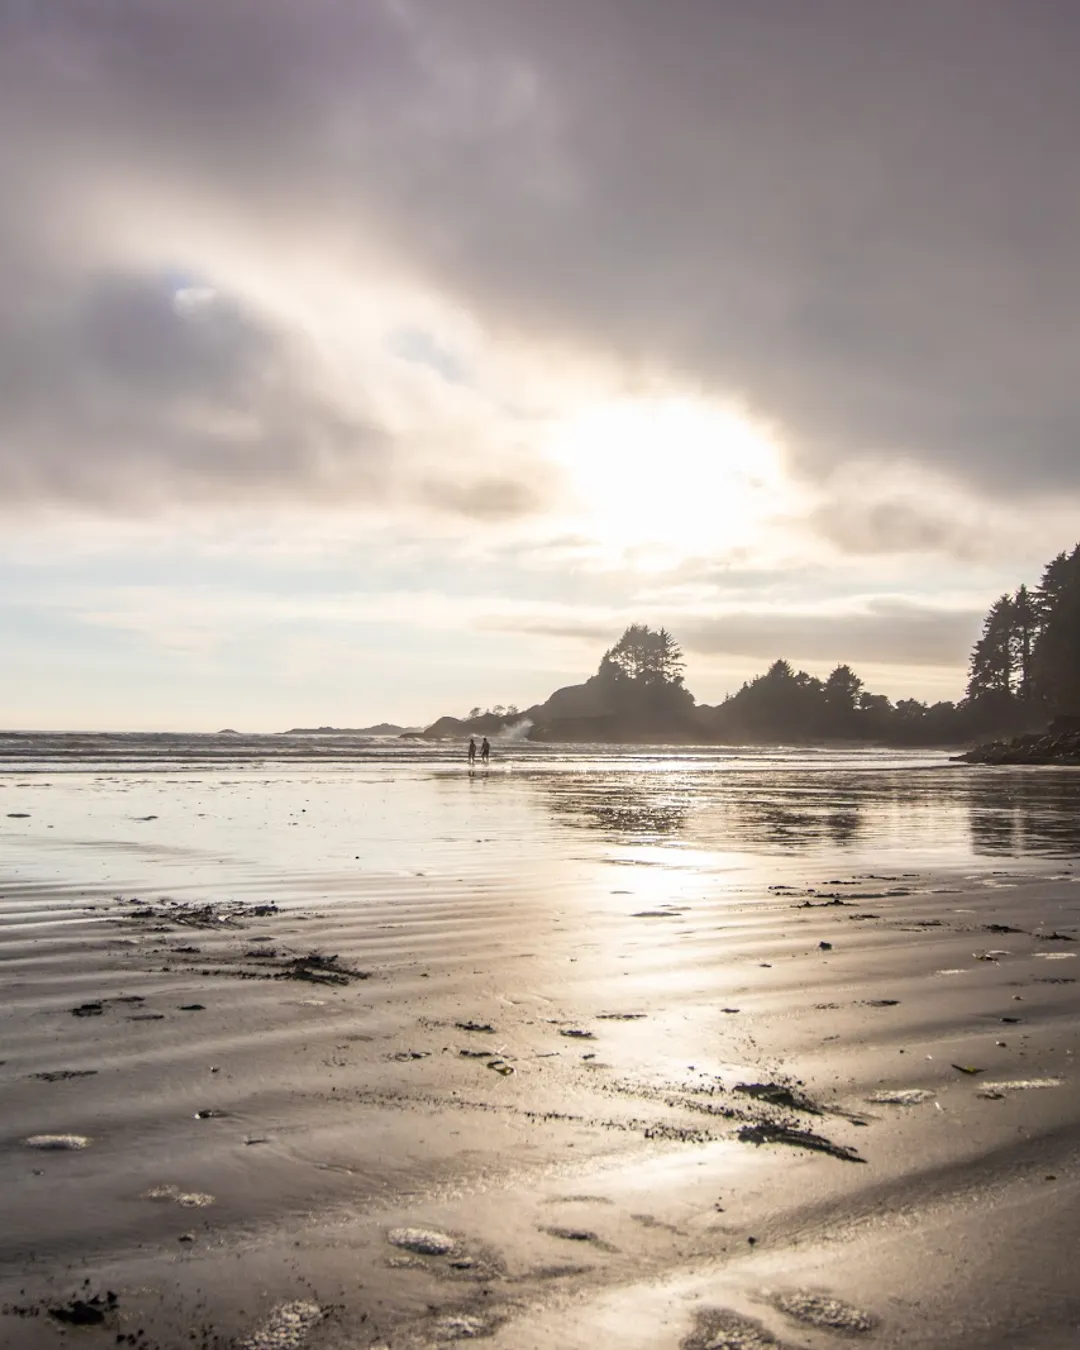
[311,828]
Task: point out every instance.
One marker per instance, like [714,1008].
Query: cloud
[121,389]
[115,393]
[884,631]
[860,220]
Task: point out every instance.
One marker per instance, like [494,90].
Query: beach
[673,1048]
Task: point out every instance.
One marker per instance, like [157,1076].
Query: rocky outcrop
[450,728]
[1059,745]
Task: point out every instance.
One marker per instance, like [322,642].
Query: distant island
[380,729]
[1024,673]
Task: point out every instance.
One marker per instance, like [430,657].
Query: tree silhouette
[1056,659]
[841,699]
[1025,629]
[644,655]
[991,671]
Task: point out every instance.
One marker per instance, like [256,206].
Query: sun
[669,478]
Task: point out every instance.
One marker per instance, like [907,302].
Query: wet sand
[378,1060]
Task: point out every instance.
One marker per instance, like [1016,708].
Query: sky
[375,360]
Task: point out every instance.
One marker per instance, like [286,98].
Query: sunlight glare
[676,476]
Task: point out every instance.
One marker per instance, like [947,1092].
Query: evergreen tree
[1026,624]
[991,675]
[1056,659]
[669,662]
[645,656]
[841,698]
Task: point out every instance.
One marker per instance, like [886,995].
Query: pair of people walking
[485,750]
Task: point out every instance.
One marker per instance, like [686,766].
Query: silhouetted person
[485,750]
[472,749]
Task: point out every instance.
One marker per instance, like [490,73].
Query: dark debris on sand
[317,969]
[776,1132]
[85,1312]
[314,968]
[779,1094]
[225,914]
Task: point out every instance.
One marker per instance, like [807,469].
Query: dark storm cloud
[863,219]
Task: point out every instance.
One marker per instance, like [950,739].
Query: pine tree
[1056,659]
[1026,618]
[991,675]
[669,659]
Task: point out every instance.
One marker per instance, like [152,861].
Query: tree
[842,689]
[1056,658]
[841,699]
[669,664]
[1026,624]
[991,673]
[782,704]
[642,655]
